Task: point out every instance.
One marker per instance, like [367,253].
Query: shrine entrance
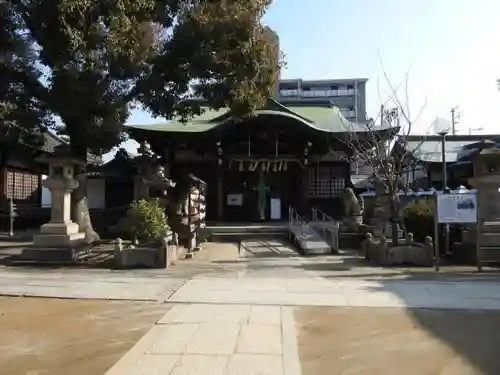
[261,192]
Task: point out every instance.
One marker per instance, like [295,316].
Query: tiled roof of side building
[427,148]
[51,141]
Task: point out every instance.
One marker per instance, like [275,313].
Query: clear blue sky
[450,47]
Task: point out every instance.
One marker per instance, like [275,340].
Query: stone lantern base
[64,235]
[60,242]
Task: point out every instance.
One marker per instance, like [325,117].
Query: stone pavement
[216,340]
[233,314]
[314,291]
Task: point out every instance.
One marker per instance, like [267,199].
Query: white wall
[46,199]
[96,193]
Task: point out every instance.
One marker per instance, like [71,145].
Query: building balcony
[316,93]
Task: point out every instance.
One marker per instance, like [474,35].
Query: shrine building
[294,155]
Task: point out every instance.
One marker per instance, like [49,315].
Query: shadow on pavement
[474,334]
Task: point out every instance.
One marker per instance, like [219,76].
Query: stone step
[242,236]
[246,229]
[309,241]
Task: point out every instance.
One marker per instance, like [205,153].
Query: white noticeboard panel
[275,208]
[234,199]
[457,208]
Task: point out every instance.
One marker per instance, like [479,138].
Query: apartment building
[349,95]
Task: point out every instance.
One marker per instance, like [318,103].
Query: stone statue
[352,206]
[353,213]
[380,213]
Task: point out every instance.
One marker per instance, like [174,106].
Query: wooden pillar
[305,179]
[220,181]
[220,194]
[3,185]
[304,173]
[168,161]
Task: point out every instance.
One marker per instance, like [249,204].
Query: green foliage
[146,219]
[23,117]
[100,57]
[419,218]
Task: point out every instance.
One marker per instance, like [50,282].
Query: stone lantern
[60,231]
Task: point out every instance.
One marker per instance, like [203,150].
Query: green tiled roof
[324,119]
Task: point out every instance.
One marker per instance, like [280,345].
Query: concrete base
[60,228]
[52,254]
[148,257]
[59,240]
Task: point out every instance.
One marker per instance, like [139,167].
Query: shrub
[146,219]
[419,218]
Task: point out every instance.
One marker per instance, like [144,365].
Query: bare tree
[381,148]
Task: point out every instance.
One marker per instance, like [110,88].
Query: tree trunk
[80,213]
[395,218]
[3,190]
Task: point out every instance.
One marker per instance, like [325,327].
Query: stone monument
[353,210]
[60,235]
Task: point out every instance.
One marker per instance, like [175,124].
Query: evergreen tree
[102,56]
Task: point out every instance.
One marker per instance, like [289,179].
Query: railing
[14,211]
[296,221]
[328,226]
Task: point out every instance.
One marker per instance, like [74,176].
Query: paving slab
[259,339]
[228,339]
[192,364]
[171,339]
[265,315]
[87,286]
[249,364]
[321,292]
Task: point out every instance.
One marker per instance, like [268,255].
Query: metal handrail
[329,226]
[295,220]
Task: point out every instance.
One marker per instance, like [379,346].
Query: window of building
[324,182]
[342,91]
[289,92]
[22,186]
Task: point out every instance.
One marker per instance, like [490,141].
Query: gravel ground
[42,336]
[389,341]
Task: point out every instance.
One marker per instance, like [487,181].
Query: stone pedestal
[60,231]
[59,235]
[58,238]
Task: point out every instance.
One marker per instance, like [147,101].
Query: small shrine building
[257,167]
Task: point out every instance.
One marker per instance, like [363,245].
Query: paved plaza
[240,314]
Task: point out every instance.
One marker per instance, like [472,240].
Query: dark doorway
[241,195]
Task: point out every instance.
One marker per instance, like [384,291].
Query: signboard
[457,208]
[275,208]
[235,200]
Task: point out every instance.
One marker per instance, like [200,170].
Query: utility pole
[455,115]
[382,122]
